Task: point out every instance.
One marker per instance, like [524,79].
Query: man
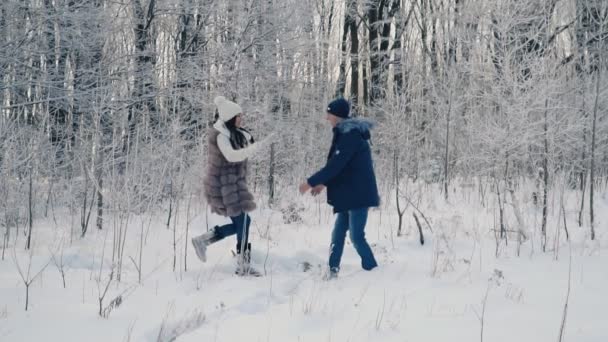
[351,184]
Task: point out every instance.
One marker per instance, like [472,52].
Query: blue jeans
[238,227]
[353,220]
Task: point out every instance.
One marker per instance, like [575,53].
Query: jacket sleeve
[232,155]
[345,150]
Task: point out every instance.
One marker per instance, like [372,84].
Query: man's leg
[358,219]
[337,241]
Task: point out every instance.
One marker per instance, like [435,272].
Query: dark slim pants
[236,227]
[353,221]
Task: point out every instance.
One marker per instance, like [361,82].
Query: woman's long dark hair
[237,138]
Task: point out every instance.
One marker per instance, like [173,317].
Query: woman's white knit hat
[227,109]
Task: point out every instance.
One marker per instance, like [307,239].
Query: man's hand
[304,187]
[317,189]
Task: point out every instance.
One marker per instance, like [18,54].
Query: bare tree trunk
[447,149]
[326,50]
[497,56]
[501,210]
[379,16]
[365,76]
[27,296]
[374,58]
[583,16]
[453,41]
[170,207]
[400,212]
[87,207]
[419,228]
[351,22]
[143,87]
[271,171]
[545,176]
[386,15]
[592,166]
[398,52]
[423,24]
[6,236]
[188,46]
[104,147]
[564,218]
[341,85]
[175,237]
[400,81]
[186,240]
[30,212]
[3,64]
[55,64]
[583,172]
[99,222]
[433,49]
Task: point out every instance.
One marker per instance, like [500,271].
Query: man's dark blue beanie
[339,108]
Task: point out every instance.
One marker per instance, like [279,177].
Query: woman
[226,190]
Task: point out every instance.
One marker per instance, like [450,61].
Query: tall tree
[351,21]
[143,106]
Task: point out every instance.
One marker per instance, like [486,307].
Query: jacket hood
[364,126]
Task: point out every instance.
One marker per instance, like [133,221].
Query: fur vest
[225,183]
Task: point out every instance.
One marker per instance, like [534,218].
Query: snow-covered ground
[453,288]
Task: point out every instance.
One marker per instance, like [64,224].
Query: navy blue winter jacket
[349,172]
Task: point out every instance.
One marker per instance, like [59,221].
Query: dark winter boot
[243,262]
[201,242]
[247,250]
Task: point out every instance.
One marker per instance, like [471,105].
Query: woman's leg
[225,230]
[241,225]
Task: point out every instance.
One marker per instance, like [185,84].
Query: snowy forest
[490,149]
